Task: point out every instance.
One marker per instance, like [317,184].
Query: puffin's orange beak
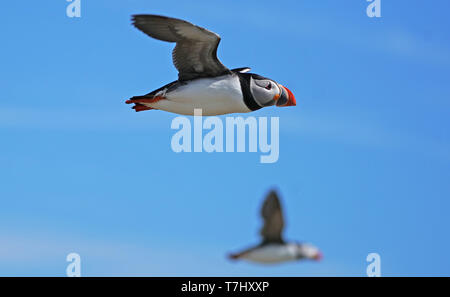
[286,98]
[318,256]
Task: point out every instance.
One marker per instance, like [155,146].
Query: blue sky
[364,157]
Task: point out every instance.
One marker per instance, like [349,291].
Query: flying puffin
[273,249]
[203,81]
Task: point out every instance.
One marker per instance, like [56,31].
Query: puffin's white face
[267,92]
[308,251]
[264,91]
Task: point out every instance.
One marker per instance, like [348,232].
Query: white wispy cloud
[52,119]
[46,252]
[361,131]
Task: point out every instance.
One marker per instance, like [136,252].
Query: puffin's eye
[269,86]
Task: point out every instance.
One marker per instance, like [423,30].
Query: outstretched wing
[241,70]
[273,219]
[195,53]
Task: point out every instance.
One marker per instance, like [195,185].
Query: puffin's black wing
[195,53]
[273,219]
[241,70]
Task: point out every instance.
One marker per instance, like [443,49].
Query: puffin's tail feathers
[140,102]
[234,257]
[143,99]
[139,107]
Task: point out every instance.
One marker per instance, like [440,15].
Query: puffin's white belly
[215,96]
[272,253]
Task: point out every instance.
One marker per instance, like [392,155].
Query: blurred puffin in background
[273,248]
